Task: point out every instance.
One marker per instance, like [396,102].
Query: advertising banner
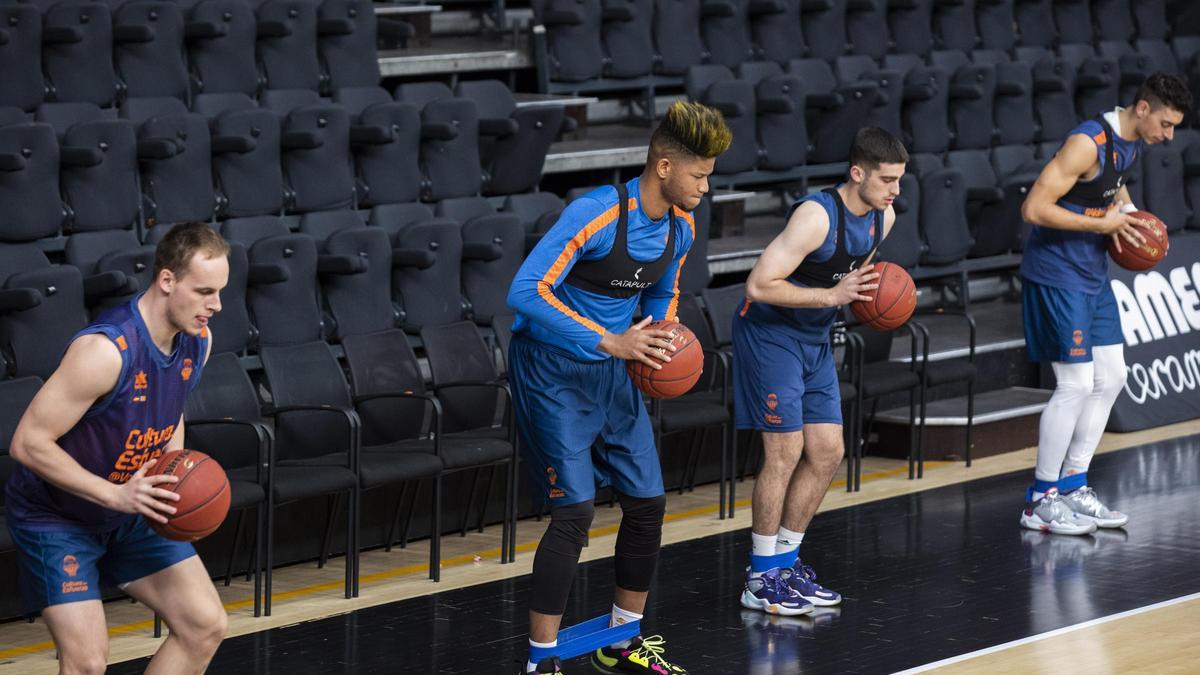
[1160,317]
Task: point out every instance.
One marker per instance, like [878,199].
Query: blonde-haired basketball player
[614,250]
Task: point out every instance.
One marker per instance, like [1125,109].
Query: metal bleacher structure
[981,101]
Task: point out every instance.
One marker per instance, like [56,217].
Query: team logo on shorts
[70,565]
[1077,337]
[772,404]
[551,475]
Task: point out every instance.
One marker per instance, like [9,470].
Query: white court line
[1042,636]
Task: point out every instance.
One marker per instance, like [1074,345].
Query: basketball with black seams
[203,491]
[1140,257]
[677,376]
[890,305]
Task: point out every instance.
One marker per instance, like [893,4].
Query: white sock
[788,541]
[1037,496]
[763,545]
[530,666]
[1061,416]
[1108,378]
[620,616]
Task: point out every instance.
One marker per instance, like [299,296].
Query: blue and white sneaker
[772,594]
[804,581]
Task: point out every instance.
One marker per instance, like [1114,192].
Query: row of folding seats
[98,52]
[333,275]
[589,39]
[160,163]
[808,112]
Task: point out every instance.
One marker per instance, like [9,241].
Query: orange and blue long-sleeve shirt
[571,319]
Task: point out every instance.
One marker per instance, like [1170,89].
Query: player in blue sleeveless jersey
[77,505]
[1077,205]
[613,251]
[785,380]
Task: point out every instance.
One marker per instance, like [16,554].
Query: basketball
[892,303]
[203,493]
[1144,256]
[677,376]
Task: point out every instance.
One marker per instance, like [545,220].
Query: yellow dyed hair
[690,129]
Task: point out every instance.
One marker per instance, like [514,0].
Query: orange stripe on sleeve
[546,285]
[673,307]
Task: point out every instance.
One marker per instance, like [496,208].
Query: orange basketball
[1142,257]
[892,303]
[679,375]
[203,493]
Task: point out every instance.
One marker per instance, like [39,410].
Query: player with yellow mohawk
[614,250]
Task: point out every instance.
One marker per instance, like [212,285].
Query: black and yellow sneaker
[550,664]
[643,655]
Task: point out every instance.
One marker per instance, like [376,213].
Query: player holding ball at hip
[1079,207]
[785,379]
[612,252]
[78,506]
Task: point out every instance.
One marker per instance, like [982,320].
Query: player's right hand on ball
[851,287]
[140,494]
[639,344]
[1121,225]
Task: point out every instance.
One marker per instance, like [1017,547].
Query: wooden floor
[303,592]
[1159,641]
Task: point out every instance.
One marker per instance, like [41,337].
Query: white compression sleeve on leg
[1061,416]
[1108,363]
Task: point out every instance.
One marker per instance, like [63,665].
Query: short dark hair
[1165,89]
[690,129]
[873,146]
[184,240]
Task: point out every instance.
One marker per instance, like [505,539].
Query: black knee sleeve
[638,541]
[558,555]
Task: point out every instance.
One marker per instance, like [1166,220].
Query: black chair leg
[334,502]
[970,416]
[435,532]
[349,584]
[487,495]
[391,533]
[268,567]
[729,448]
[157,625]
[921,435]
[858,444]
[260,527]
[697,454]
[466,516]
[412,508]
[237,536]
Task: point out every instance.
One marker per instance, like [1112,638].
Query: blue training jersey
[119,433]
[812,324]
[573,320]
[1068,259]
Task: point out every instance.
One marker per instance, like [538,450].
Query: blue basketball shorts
[580,423]
[781,383]
[61,566]
[1063,325]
